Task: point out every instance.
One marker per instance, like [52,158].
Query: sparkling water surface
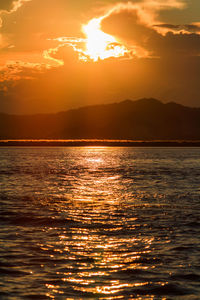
[99,223]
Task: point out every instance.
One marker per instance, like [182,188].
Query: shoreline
[97,143]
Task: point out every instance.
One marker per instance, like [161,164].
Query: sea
[99,223]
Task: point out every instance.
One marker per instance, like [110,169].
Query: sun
[100,45]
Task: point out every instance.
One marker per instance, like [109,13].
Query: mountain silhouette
[144,119]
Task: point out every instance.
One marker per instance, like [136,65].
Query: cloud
[14,71]
[129,24]
[144,15]
[68,49]
[8,7]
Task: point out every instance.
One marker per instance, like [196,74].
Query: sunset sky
[61,54]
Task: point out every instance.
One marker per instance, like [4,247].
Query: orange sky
[56,55]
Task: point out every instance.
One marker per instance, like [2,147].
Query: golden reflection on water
[91,186]
[103,259]
[99,249]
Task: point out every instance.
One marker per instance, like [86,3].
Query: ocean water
[100,223]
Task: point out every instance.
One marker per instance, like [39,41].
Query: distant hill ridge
[144,119]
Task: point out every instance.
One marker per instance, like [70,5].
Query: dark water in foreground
[100,223]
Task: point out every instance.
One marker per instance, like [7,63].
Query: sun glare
[100,45]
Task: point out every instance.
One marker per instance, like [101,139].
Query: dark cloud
[173,44]
[126,26]
[193,28]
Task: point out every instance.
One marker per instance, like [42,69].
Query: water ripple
[99,223]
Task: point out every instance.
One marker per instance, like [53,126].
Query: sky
[61,54]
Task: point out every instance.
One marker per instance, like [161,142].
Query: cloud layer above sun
[60,54]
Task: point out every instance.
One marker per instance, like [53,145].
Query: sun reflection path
[99,261]
[97,265]
[103,253]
